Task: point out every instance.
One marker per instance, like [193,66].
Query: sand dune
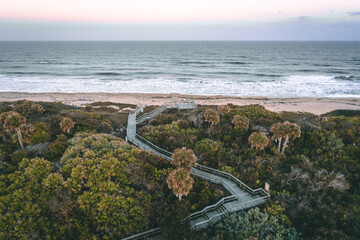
[311,105]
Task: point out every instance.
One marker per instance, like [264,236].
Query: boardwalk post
[267,187]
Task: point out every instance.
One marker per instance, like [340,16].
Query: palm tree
[27,108]
[180,182]
[223,109]
[241,122]
[184,158]
[285,130]
[66,125]
[13,122]
[258,140]
[212,116]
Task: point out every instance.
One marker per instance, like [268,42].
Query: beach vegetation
[258,140]
[40,133]
[212,116]
[13,122]
[184,158]
[26,108]
[313,174]
[91,185]
[286,131]
[241,122]
[224,109]
[210,152]
[180,182]
[251,224]
[86,185]
[66,125]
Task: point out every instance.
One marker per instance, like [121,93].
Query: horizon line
[190,40]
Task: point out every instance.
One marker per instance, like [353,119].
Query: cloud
[353,14]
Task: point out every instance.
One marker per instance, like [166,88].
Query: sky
[179,20]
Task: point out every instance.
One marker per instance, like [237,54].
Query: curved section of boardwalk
[243,197]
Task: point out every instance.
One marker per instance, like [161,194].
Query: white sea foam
[290,86]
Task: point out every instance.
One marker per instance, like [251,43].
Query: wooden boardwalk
[243,197]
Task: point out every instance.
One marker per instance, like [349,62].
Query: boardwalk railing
[144,235]
[163,107]
[201,171]
[219,216]
[215,206]
[234,179]
[156,148]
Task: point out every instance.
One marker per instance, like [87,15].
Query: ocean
[270,69]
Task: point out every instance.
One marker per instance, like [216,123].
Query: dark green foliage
[58,147]
[314,185]
[322,201]
[18,156]
[253,111]
[210,152]
[26,108]
[162,119]
[172,215]
[24,196]
[94,193]
[40,133]
[171,136]
[249,225]
[103,188]
[105,127]
[203,193]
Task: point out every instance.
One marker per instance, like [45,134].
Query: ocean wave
[306,70]
[266,75]
[109,74]
[147,73]
[321,65]
[17,67]
[237,63]
[192,62]
[36,73]
[345,78]
[126,69]
[337,72]
[309,78]
[51,62]
[229,73]
[287,86]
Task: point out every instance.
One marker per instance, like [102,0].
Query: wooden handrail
[221,202]
[144,234]
[241,206]
[204,169]
[162,108]
[233,178]
[162,151]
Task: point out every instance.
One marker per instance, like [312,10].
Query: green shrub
[58,147]
[40,133]
[210,152]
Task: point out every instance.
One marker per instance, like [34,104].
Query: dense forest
[67,172]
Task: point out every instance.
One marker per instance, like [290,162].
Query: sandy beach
[311,105]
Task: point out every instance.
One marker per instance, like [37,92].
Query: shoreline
[314,105]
